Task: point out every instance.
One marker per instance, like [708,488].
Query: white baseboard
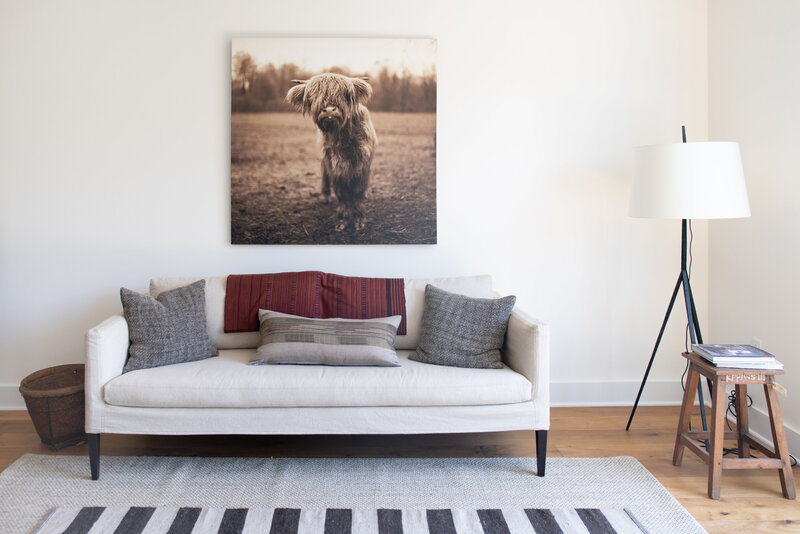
[10,397]
[656,393]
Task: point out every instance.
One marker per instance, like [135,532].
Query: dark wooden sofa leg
[94,454]
[541,451]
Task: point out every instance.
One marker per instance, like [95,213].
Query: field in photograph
[276,182]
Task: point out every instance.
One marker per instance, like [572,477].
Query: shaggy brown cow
[347,138]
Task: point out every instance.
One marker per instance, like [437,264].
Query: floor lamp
[686,181]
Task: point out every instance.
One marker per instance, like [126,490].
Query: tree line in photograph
[257,90]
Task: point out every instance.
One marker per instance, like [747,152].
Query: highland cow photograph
[333,141]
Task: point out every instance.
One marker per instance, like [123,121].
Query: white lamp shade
[689,181]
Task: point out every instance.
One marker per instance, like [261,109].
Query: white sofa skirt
[335,420]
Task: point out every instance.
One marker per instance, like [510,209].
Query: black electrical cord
[731,410]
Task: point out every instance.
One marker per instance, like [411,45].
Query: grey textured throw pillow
[462,331]
[168,329]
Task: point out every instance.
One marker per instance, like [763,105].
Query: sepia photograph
[333,141]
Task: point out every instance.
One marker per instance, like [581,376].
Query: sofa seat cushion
[226,381]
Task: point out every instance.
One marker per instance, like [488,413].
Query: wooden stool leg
[742,421]
[717,433]
[686,413]
[779,441]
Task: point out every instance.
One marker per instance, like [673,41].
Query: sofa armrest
[106,352]
[527,351]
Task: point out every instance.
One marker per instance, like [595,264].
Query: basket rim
[58,392]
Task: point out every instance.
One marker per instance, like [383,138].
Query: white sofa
[223,395]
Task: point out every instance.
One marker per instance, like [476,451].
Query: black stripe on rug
[390,521]
[134,520]
[338,521]
[543,521]
[595,521]
[233,521]
[85,520]
[493,522]
[285,521]
[184,521]
[440,522]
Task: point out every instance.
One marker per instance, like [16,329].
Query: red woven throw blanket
[311,294]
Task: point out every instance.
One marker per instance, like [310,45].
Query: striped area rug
[159,487]
[187,520]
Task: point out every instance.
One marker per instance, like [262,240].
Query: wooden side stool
[719,377]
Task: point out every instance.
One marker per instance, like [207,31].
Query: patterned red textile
[311,294]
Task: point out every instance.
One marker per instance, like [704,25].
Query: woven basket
[55,401]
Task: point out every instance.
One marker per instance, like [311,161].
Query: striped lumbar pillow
[299,340]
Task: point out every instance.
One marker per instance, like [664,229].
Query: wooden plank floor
[751,500]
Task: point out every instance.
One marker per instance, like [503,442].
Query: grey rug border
[70,474]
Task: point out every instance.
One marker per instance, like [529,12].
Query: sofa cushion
[292,339]
[228,382]
[462,331]
[166,330]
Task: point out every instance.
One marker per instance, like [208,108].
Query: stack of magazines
[737,356]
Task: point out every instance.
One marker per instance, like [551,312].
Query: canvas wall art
[333,141]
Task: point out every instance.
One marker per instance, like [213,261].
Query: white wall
[114,165]
[754,54]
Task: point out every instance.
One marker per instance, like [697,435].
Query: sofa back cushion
[471,286]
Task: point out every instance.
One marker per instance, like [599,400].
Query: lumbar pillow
[462,331]
[168,329]
[292,339]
